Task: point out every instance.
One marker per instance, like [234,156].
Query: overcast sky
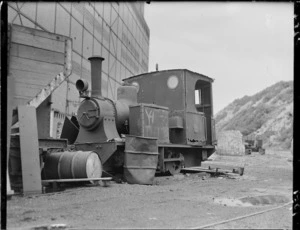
[245,47]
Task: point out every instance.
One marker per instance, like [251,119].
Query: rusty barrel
[140,159]
[69,165]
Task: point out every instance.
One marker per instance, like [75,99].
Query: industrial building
[47,38]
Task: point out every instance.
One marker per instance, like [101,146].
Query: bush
[220,116]
[267,98]
[285,134]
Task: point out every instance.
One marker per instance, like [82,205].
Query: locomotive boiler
[100,118]
[173,106]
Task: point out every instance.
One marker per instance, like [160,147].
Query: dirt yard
[188,201]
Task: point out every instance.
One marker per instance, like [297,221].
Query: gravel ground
[181,201]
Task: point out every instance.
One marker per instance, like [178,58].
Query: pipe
[96,69]
[82,85]
[242,217]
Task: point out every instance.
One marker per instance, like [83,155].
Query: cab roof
[161,71]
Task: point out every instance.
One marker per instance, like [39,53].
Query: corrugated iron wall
[115,31]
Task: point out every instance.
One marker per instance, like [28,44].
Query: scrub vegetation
[267,114]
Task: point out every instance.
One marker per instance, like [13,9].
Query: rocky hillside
[268,114]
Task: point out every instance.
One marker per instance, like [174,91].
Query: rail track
[241,217]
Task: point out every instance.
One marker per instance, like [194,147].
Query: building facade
[117,31]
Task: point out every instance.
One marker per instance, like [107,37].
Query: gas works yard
[186,201]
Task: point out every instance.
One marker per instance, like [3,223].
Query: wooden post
[10,100]
[29,146]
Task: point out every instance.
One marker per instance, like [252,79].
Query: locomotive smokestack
[96,69]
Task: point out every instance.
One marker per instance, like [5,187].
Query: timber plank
[39,33]
[9,110]
[29,146]
[78,179]
[33,53]
[25,90]
[31,78]
[19,63]
[37,41]
[222,165]
[216,170]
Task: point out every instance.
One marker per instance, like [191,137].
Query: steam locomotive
[171,109]
[174,106]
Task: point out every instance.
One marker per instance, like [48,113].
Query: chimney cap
[96,57]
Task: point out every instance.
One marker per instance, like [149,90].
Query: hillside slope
[268,114]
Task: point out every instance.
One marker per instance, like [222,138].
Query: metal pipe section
[96,69]
[82,85]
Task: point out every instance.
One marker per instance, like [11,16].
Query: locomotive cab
[188,95]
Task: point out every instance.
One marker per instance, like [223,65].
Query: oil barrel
[71,165]
[140,159]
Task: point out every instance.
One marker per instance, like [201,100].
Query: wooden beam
[35,53]
[78,179]
[36,40]
[216,170]
[36,66]
[222,165]
[29,147]
[9,109]
[38,33]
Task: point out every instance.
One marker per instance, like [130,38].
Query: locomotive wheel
[173,167]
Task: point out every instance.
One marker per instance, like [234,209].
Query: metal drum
[140,159]
[69,165]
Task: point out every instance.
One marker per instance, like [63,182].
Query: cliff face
[268,114]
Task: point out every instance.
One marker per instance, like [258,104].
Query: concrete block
[230,143]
